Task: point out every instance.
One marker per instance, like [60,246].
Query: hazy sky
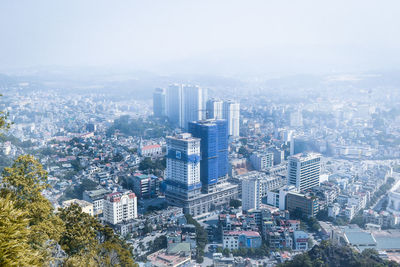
[222,36]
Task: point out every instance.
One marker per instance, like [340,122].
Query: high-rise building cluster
[189,103]
[197,167]
[228,110]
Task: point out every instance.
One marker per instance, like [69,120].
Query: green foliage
[201,234]
[311,222]
[243,151]
[29,228]
[23,184]
[235,203]
[148,165]
[14,236]
[327,254]
[152,128]
[159,242]
[4,124]
[77,191]
[86,240]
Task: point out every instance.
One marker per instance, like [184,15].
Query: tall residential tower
[304,170]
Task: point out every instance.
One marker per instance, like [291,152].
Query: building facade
[262,161]
[251,194]
[159,102]
[308,206]
[214,109]
[174,108]
[214,150]
[231,113]
[241,239]
[304,170]
[96,197]
[144,185]
[120,207]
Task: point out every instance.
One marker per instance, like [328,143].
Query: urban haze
[199,133]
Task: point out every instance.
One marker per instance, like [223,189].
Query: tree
[4,124]
[226,252]
[24,182]
[235,203]
[14,236]
[87,242]
[146,164]
[160,243]
[244,152]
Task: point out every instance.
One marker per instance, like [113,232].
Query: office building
[277,197]
[304,170]
[262,161]
[302,203]
[214,109]
[279,155]
[144,185]
[159,102]
[231,113]
[267,182]
[120,207]
[214,150]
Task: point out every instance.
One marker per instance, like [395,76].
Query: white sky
[201,35]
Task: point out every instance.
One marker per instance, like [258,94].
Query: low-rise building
[239,239]
[150,151]
[86,206]
[96,197]
[300,240]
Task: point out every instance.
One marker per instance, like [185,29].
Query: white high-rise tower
[174,104]
[192,102]
[214,109]
[231,113]
[251,194]
[304,170]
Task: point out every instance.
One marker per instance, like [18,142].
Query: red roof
[150,147]
[246,233]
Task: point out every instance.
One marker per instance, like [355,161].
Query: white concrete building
[192,102]
[262,161]
[277,198]
[120,207]
[214,109]
[231,113]
[251,194]
[304,170]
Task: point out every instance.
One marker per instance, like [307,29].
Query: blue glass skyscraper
[213,148]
